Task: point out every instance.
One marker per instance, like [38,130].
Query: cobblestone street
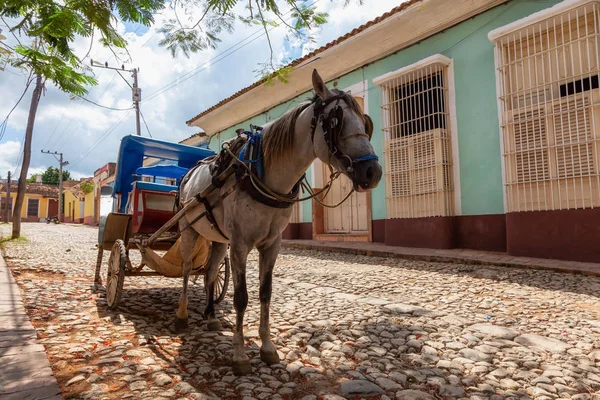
[345,325]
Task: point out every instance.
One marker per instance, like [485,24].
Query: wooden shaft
[193,203]
[152,273]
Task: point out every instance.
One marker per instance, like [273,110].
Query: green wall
[472,53]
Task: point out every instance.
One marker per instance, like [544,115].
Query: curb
[589,269]
[23,360]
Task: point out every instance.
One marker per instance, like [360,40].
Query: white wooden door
[352,215]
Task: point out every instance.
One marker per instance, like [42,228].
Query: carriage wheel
[116,274]
[222,281]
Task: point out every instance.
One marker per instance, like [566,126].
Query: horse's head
[342,134]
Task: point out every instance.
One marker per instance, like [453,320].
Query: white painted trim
[537,17]
[454,140]
[436,59]
[499,110]
[360,89]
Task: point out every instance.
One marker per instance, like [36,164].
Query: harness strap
[209,214]
[249,186]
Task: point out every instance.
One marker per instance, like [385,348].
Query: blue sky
[89,136]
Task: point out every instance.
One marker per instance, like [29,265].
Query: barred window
[418,154]
[547,72]
[33,206]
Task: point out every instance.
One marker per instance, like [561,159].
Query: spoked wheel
[222,281]
[116,274]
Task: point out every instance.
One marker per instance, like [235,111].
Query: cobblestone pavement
[345,325]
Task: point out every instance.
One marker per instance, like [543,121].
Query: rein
[265,191]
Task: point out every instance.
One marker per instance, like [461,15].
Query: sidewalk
[462,256]
[24,369]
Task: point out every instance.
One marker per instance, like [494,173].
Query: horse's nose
[367,175]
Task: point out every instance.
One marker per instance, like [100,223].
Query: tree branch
[177,15]
[201,18]
[264,24]
[295,7]
[91,44]
[11,30]
[294,30]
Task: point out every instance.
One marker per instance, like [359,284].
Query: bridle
[332,126]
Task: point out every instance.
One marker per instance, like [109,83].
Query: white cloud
[89,136]
[9,154]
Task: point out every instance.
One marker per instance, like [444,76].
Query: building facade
[103,179]
[487,125]
[79,203]
[41,201]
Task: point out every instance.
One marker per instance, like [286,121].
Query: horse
[331,127]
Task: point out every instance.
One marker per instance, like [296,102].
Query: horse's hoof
[268,357]
[214,325]
[181,324]
[241,367]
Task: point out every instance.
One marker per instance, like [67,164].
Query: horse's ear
[319,86]
[368,126]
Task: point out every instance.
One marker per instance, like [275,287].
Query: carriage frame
[143,215]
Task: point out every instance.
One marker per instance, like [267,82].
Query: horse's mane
[278,139]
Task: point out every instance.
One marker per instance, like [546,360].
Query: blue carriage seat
[157,187]
[162,171]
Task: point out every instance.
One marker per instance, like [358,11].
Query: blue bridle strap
[365,158]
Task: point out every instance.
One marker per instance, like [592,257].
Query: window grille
[416,125]
[549,103]
[33,206]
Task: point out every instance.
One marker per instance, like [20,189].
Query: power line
[189,74]
[80,123]
[100,105]
[214,60]
[144,119]
[104,136]
[104,91]
[70,118]
[5,122]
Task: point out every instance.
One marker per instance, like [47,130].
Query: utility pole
[8,210]
[60,181]
[137,96]
[136,91]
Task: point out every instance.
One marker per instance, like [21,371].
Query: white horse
[332,128]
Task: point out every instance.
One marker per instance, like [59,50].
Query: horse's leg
[186,247]
[217,254]
[239,254]
[266,263]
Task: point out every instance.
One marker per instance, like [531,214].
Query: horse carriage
[143,216]
[233,202]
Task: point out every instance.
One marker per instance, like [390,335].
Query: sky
[173,89]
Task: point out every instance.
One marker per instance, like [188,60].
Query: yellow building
[41,201]
[79,205]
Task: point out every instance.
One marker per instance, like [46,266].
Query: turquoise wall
[472,53]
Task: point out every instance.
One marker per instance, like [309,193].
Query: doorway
[351,221]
